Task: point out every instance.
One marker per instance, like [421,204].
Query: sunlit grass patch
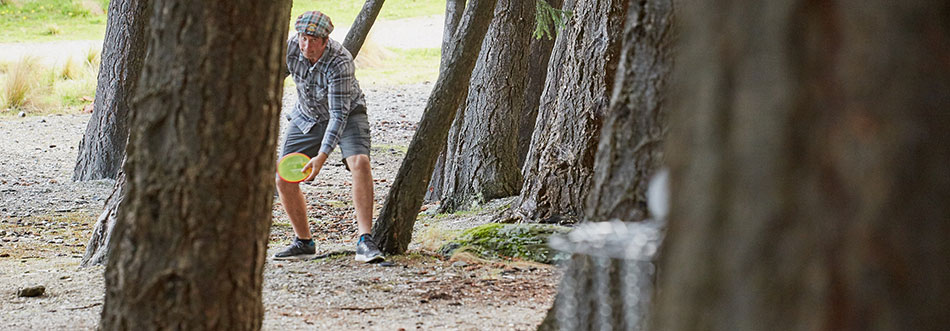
[405,66]
[342,13]
[46,20]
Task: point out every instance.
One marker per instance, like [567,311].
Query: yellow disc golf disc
[289,166]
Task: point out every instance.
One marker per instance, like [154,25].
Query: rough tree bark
[453,14]
[393,227]
[481,162]
[539,56]
[98,247]
[628,154]
[102,149]
[200,169]
[631,141]
[809,159]
[361,26]
[558,168]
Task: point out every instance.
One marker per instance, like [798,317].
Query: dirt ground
[45,220]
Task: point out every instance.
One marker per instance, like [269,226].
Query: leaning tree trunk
[189,247]
[559,167]
[98,247]
[482,160]
[453,14]
[102,148]
[809,167]
[361,26]
[538,59]
[629,153]
[393,228]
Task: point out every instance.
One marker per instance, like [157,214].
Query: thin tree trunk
[558,169]
[809,167]
[539,57]
[483,162]
[102,148]
[189,248]
[97,250]
[361,26]
[629,153]
[393,228]
[453,14]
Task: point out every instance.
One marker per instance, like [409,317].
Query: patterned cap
[314,23]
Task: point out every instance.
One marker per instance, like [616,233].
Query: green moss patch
[508,241]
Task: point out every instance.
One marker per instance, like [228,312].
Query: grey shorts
[355,139]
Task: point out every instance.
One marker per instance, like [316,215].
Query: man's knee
[284,186]
[358,163]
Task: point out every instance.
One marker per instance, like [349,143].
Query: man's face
[311,47]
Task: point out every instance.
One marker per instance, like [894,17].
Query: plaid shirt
[326,90]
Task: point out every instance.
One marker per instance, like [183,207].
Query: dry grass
[371,54]
[21,83]
[71,69]
[93,57]
[52,30]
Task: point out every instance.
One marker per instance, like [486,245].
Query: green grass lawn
[50,90]
[50,20]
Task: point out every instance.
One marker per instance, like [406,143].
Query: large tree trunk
[482,160]
[629,153]
[809,167]
[559,167]
[97,250]
[361,26]
[538,59]
[631,141]
[393,228]
[102,148]
[189,247]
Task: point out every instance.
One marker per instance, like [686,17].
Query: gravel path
[45,219]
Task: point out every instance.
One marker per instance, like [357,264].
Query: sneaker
[298,249]
[367,251]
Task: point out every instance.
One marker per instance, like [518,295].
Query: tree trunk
[361,26]
[482,161]
[393,228]
[538,59]
[628,154]
[97,250]
[558,169]
[630,147]
[809,167]
[453,14]
[189,248]
[102,148]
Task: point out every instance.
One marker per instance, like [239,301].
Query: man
[330,111]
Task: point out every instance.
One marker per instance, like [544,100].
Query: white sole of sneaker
[370,259]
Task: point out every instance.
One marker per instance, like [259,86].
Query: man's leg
[295,206]
[362,191]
